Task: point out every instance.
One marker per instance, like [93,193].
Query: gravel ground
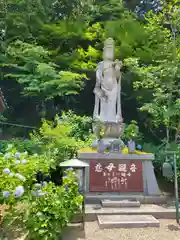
[168,230]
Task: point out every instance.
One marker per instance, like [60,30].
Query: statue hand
[118,65]
[104,97]
[98,92]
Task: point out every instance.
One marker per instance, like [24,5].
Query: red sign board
[113,176]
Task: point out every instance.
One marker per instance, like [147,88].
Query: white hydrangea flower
[24,161]
[19,191]
[6,194]
[6,171]
[17,155]
[39,193]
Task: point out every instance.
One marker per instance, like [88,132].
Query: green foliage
[68,133]
[19,169]
[131,131]
[113,18]
[47,218]
[60,139]
[37,74]
[80,126]
[160,77]
[158,150]
[161,155]
[38,65]
[43,209]
[57,141]
[61,43]
[22,144]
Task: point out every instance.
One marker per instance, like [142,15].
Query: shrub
[19,169]
[80,125]
[160,155]
[158,151]
[43,209]
[21,144]
[57,141]
[48,215]
[131,132]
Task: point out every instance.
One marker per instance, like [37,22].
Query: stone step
[159,212]
[94,198]
[121,203]
[125,221]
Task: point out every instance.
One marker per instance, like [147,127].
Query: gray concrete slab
[121,203]
[96,198]
[110,156]
[159,212]
[125,221]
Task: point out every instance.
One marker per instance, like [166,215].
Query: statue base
[110,129]
[106,133]
[120,173]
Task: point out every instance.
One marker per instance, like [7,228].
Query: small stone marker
[116,146]
[120,204]
[127,221]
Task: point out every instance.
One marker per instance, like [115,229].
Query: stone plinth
[112,130]
[125,221]
[121,204]
[120,173]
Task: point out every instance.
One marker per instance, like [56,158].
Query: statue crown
[109,43]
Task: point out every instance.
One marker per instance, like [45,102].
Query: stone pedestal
[111,130]
[120,173]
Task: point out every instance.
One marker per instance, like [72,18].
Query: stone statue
[107,110]
[108,87]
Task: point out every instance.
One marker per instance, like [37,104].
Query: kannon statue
[108,87]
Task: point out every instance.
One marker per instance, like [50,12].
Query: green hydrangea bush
[43,209]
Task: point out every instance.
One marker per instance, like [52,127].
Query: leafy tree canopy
[50,48]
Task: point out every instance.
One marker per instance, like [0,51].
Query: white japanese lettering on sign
[118,177]
[123,174]
[110,167]
[122,168]
[113,180]
[98,168]
[115,176]
[123,180]
[133,167]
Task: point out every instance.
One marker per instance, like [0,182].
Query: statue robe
[107,93]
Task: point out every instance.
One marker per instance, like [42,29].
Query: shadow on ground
[173,227]
[74,233]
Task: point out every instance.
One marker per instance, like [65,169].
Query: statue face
[108,53]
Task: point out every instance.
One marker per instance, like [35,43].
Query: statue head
[108,51]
